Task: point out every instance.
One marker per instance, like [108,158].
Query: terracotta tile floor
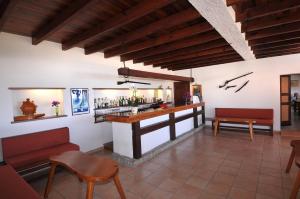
[201,167]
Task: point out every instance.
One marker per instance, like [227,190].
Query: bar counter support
[137,131]
[203,113]
[136,140]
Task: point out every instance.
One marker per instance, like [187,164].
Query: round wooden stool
[292,156]
[88,168]
[295,155]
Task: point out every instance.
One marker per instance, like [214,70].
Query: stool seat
[88,168]
[294,143]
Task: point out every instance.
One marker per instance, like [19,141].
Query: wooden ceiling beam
[276,44]
[143,74]
[183,43]
[49,27]
[6,7]
[163,39]
[268,22]
[192,55]
[273,39]
[286,28]
[234,2]
[278,49]
[193,49]
[165,23]
[143,8]
[195,59]
[274,54]
[200,62]
[212,63]
[266,9]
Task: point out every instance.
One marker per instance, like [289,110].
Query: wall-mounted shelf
[29,88]
[127,88]
[42,118]
[42,97]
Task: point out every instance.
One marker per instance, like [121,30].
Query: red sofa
[262,117]
[13,186]
[26,151]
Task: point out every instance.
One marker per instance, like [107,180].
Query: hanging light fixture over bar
[143,74]
[126,76]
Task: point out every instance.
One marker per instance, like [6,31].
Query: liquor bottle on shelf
[123,101]
[105,102]
[99,103]
[129,101]
[95,103]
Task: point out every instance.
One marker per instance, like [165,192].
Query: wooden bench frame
[218,120]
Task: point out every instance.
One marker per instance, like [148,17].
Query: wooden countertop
[129,117]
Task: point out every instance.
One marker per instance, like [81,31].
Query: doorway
[290,102]
[180,90]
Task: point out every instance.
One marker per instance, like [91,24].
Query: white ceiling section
[221,18]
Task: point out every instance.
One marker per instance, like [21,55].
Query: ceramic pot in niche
[28,107]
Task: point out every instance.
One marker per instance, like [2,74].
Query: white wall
[261,92]
[46,65]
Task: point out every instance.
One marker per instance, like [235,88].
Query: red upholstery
[27,150]
[39,156]
[261,116]
[17,145]
[12,186]
[245,113]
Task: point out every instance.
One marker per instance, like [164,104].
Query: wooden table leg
[251,130]
[216,127]
[292,156]
[119,186]
[50,180]
[90,190]
[296,187]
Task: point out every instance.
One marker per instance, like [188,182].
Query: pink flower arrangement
[55,103]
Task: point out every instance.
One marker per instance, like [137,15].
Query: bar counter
[137,134]
[128,117]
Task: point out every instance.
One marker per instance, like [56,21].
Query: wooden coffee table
[88,168]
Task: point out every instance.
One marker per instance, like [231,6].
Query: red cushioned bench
[24,152]
[259,117]
[13,186]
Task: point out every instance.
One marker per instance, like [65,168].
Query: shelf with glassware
[107,101]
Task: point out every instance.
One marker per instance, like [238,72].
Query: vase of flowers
[56,104]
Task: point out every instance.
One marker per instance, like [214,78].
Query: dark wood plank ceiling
[164,33]
[272,27]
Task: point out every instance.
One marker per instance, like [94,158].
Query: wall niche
[45,100]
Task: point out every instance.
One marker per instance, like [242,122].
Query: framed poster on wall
[294,83]
[80,101]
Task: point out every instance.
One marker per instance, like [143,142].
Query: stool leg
[251,130]
[216,127]
[119,186]
[90,190]
[289,165]
[295,187]
[50,180]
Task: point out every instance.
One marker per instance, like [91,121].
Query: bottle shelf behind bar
[100,113]
[107,101]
